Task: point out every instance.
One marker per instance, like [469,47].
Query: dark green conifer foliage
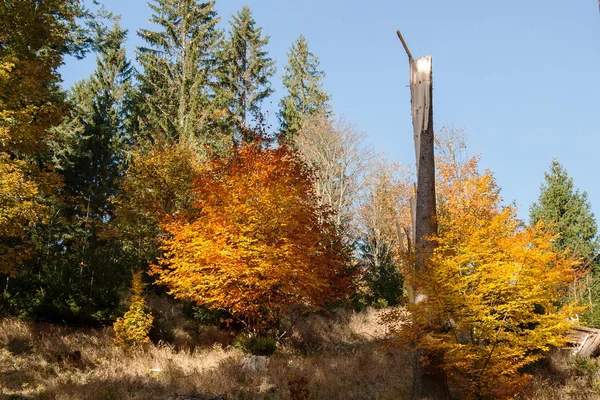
[178,68]
[305,97]
[381,273]
[245,69]
[561,204]
[93,143]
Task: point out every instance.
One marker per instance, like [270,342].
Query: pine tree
[303,81]
[178,69]
[569,212]
[246,68]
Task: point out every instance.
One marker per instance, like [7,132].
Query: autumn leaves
[493,291]
[255,242]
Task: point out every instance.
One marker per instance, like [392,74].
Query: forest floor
[341,356]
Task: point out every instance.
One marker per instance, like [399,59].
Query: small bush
[256,345]
[133,328]
[204,315]
[379,304]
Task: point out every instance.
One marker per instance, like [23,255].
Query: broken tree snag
[423,208]
[421,90]
[420,99]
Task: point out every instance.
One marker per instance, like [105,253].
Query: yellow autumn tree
[257,241]
[34,37]
[159,182]
[491,289]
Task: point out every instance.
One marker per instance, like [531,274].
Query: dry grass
[335,357]
[339,356]
[562,377]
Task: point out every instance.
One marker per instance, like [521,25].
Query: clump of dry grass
[338,330]
[562,376]
[48,362]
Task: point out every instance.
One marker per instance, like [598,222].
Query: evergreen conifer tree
[178,68]
[305,97]
[245,68]
[93,142]
[569,212]
[382,274]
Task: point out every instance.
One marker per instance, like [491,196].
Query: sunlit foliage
[256,242]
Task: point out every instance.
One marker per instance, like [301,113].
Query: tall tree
[569,213]
[178,69]
[92,143]
[335,152]
[77,274]
[246,68]
[34,37]
[561,204]
[303,81]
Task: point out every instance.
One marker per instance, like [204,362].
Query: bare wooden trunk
[425,215]
[430,382]
[426,384]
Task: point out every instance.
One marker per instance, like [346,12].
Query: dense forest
[159,181]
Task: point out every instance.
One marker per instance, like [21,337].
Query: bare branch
[410,57]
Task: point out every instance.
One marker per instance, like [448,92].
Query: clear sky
[521,77]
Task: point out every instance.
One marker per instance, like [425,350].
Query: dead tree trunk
[426,384]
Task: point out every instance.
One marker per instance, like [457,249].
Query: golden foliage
[159,182]
[19,207]
[256,242]
[491,289]
[34,38]
[133,328]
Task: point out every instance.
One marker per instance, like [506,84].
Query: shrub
[133,328]
[379,304]
[256,345]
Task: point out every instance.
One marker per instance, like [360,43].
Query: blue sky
[522,78]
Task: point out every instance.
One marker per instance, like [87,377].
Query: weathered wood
[584,341]
[405,45]
[423,213]
[425,216]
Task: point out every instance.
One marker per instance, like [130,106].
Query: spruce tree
[245,68]
[305,97]
[178,70]
[93,142]
[569,212]
[563,205]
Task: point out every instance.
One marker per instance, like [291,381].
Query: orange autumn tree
[256,243]
[491,289]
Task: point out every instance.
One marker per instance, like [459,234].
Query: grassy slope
[342,356]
